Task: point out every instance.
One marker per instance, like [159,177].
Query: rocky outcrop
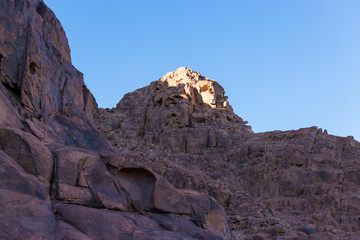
[59,177]
[41,91]
[299,184]
[183,111]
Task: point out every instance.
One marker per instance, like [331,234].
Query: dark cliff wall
[40,89]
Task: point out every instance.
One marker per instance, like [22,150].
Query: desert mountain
[170,161]
[301,184]
[59,177]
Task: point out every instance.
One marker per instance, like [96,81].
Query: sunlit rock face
[180,94]
[299,184]
[175,110]
[199,89]
[59,177]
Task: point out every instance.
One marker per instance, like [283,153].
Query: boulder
[25,207]
[29,152]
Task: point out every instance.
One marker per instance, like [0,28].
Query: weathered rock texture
[300,184]
[59,177]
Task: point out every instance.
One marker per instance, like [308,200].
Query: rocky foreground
[171,161]
[59,177]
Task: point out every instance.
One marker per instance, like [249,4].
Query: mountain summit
[295,184]
[170,161]
[184,109]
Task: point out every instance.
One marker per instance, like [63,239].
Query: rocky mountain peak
[60,177]
[185,98]
[194,87]
[299,184]
[182,111]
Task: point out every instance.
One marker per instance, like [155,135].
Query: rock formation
[300,184]
[163,164]
[59,177]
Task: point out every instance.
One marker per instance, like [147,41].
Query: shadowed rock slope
[59,177]
[301,184]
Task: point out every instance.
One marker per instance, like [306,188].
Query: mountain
[301,184]
[171,161]
[59,177]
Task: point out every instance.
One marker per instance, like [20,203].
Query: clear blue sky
[284,64]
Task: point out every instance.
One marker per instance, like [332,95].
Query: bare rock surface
[171,161]
[59,177]
[299,184]
[25,207]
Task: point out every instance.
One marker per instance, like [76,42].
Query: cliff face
[41,91]
[299,184]
[59,177]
